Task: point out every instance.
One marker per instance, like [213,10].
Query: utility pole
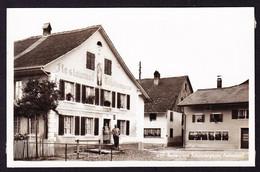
[140,69]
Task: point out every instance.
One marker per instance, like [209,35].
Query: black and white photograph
[130,87]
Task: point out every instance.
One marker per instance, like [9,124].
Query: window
[89,126]
[153,117]
[171,132]
[32,124]
[90,61]
[240,114]
[18,90]
[198,118]
[124,127]
[17,122]
[171,116]
[106,98]
[108,67]
[67,124]
[216,117]
[69,91]
[123,101]
[88,94]
[152,132]
[208,135]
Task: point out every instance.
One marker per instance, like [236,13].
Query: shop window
[198,118]
[191,135]
[211,135]
[224,135]
[197,135]
[90,61]
[152,132]
[124,126]
[171,132]
[88,95]
[204,136]
[171,116]
[218,135]
[18,90]
[17,122]
[108,67]
[153,117]
[216,117]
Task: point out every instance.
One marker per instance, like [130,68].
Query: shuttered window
[90,61]
[62,89]
[61,125]
[124,127]
[77,125]
[77,92]
[108,67]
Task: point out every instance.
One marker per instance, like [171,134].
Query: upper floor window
[90,61]
[106,98]
[153,117]
[198,118]
[69,91]
[216,117]
[18,90]
[123,100]
[108,67]
[88,94]
[240,114]
[171,116]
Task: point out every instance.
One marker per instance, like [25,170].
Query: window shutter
[234,114]
[203,118]
[193,118]
[97,96]
[109,67]
[62,90]
[127,127]
[105,67]
[221,117]
[77,125]
[118,124]
[113,99]
[96,126]
[77,92]
[211,117]
[61,125]
[93,61]
[83,123]
[247,114]
[118,100]
[83,94]
[102,98]
[128,102]
[88,61]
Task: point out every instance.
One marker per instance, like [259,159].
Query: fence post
[111,154]
[78,149]
[99,146]
[66,152]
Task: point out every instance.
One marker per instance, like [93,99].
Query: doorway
[244,138]
[106,131]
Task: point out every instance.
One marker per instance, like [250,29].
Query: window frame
[212,117]
[152,117]
[90,61]
[152,131]
[65,128]
[107,67]
[218,135]
[195,118]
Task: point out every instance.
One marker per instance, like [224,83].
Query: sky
[199,42]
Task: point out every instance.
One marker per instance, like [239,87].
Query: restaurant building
[97,88]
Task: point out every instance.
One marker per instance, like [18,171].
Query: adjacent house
[97,88]
[162,116]
[217,118]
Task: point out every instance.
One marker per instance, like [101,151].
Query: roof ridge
[166,77]
[61,32]
[222,87]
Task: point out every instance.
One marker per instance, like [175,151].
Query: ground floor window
[124,127]
[208,135]
[32,125]
[152,132]
[68,125]
[17,122]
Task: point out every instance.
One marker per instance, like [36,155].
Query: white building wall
[176,126]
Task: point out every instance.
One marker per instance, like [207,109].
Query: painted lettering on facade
[73,72]
[112,83]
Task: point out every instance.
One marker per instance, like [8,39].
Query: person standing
[116,133]
[106,134]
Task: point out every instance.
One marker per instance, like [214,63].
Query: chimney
[46,29]
[219,82]
[156,78]
[140,69]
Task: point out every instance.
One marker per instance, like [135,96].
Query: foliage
[19,136]
[90,99]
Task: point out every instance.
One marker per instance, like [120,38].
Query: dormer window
[108,67]
[90,61]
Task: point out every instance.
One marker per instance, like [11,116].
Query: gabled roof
[163,95]
[227,95]
[36,52]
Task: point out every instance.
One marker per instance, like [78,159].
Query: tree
[38,99]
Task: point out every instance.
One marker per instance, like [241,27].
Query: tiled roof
[227,95]
[54,46]
[163,95]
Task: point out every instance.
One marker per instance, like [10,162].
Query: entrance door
[106,131]
[244,138]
